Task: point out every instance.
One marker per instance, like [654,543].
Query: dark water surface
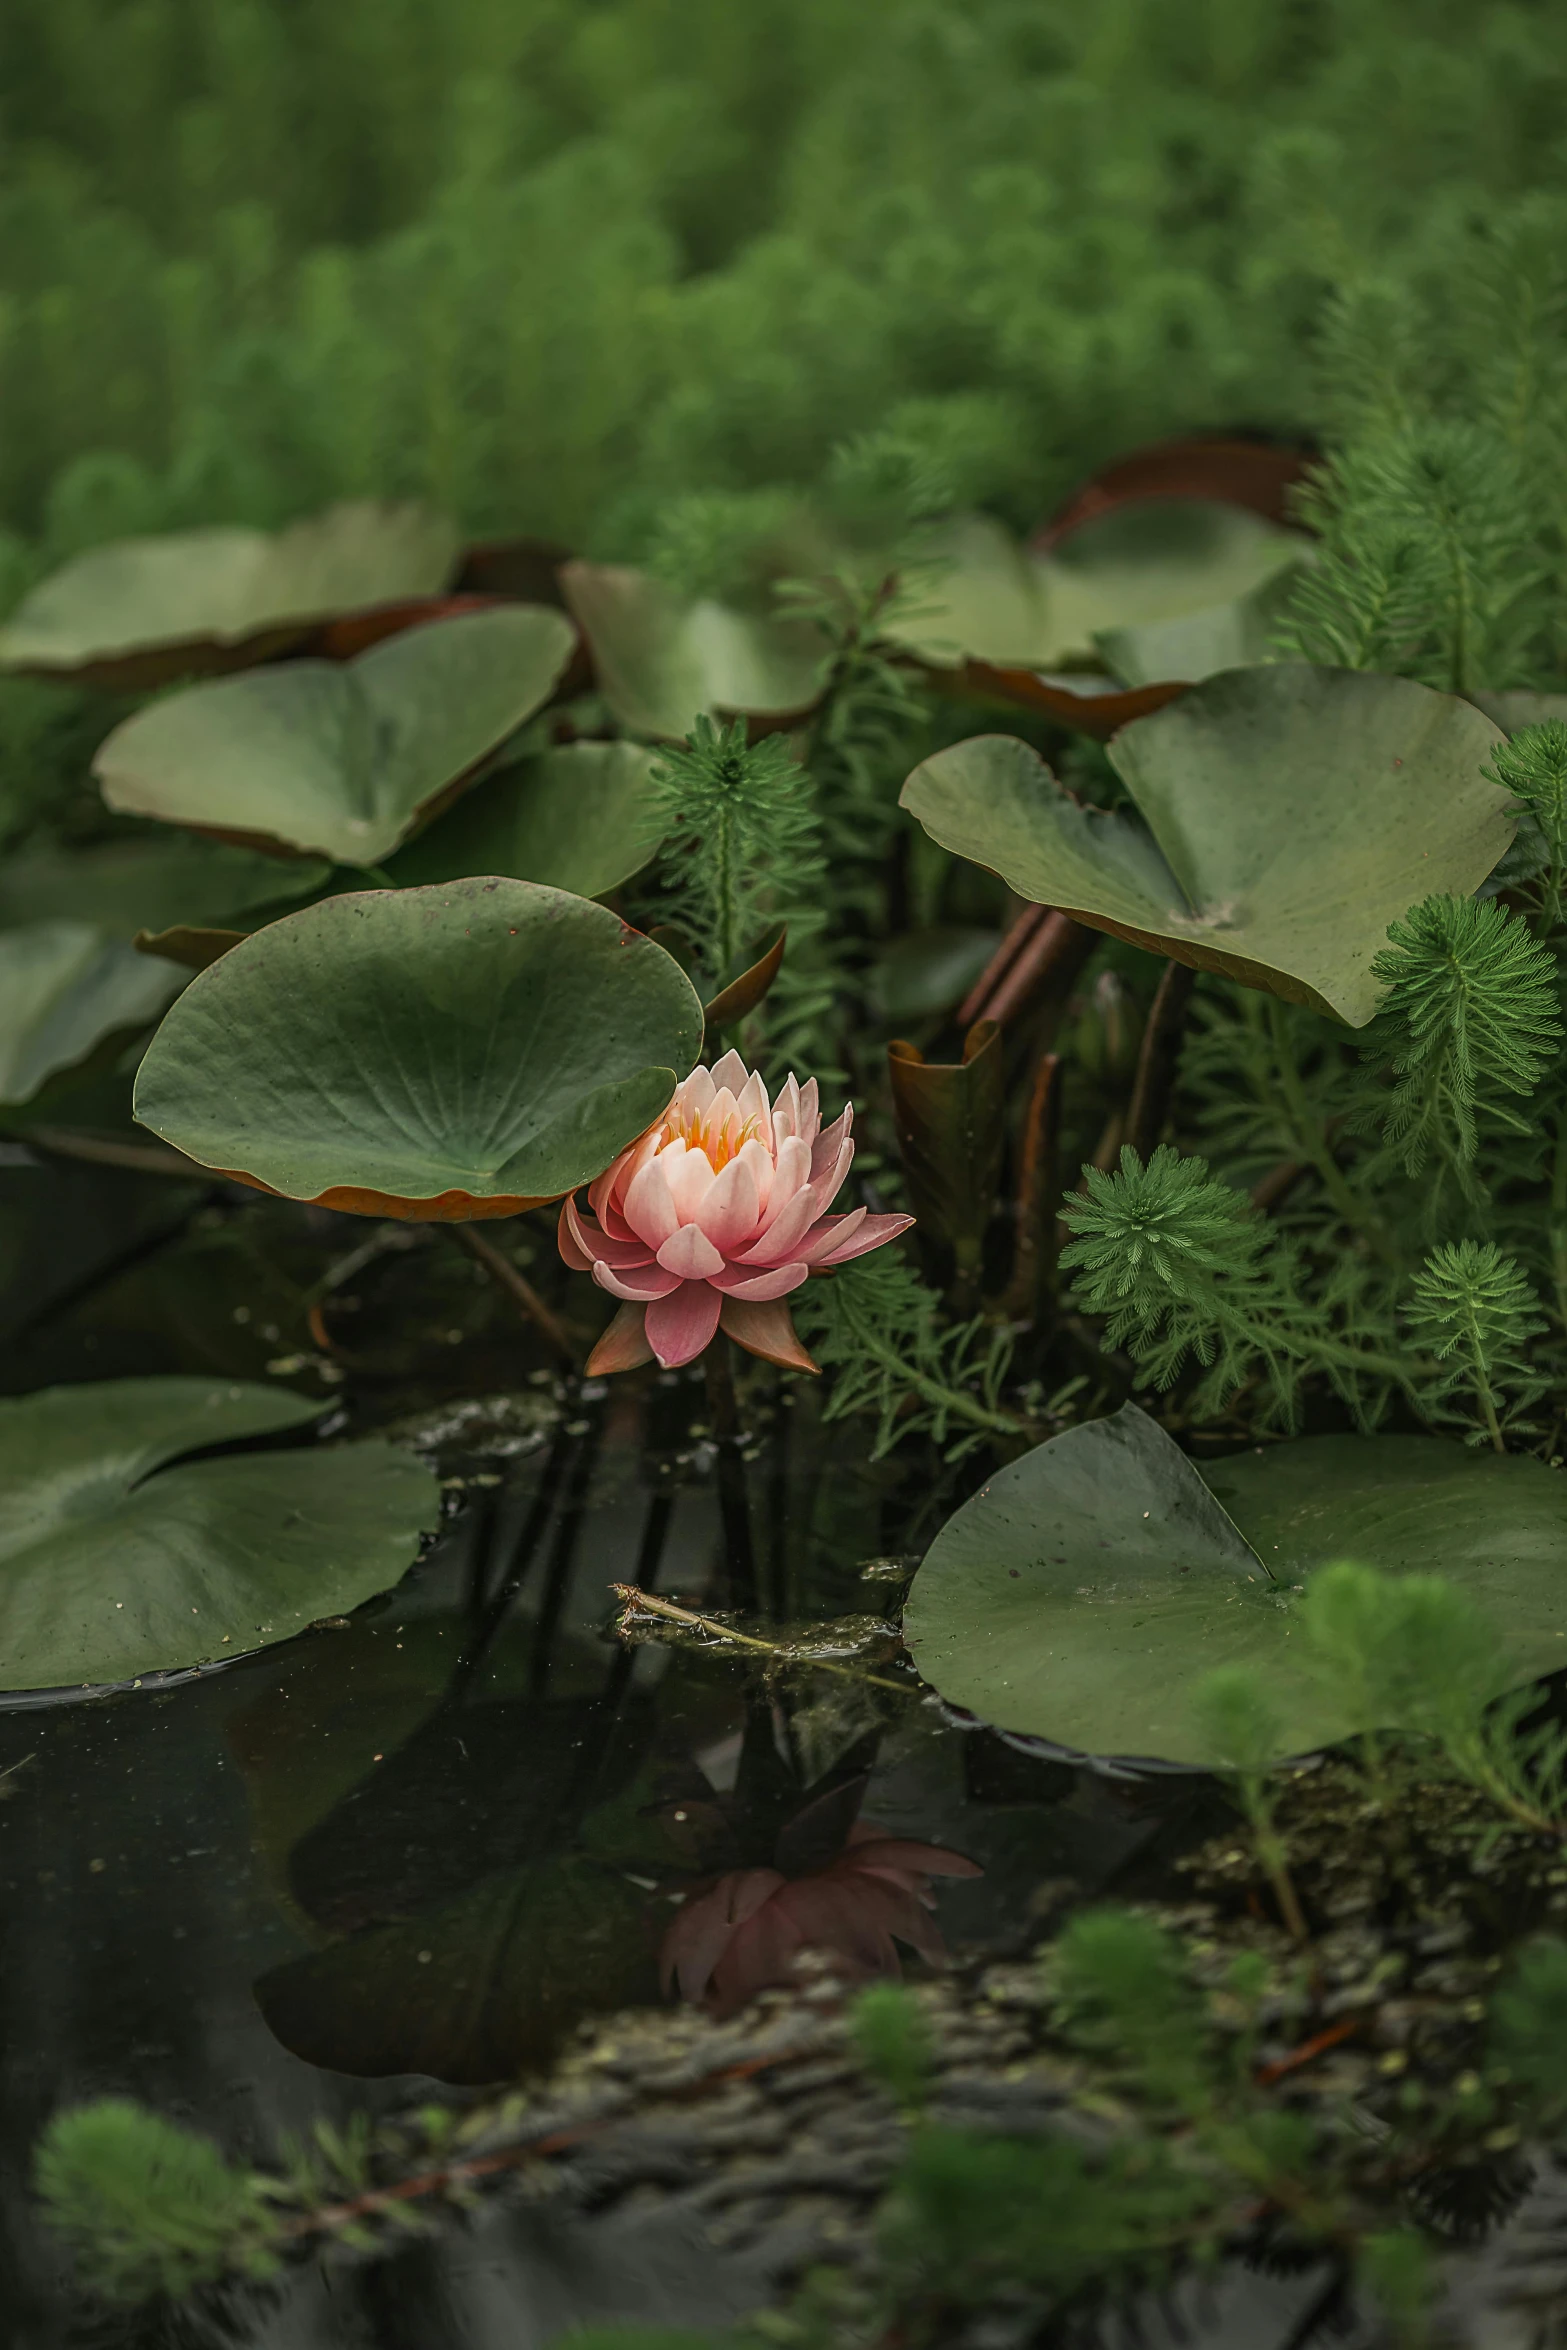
[405,1855]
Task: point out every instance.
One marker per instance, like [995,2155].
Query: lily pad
[1158,560]
[1257,474]
[578,817]
[1512,712]
[128,885]
[120,1555]
[141,611]
[1195,645]
[64,988]
[662,660]
[340,759]
[1082,1593]
[1291,813]
[435,1053]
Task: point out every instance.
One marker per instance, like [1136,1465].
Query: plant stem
[501,1269]
[951,1398]
[1309,1133]
[636,1603]
[734,1506]
[1159,1059]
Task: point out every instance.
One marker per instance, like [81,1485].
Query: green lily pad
[579,817]
[120,1555]
[64,988]
[1195,645]
[1512,712]
[662,660]
[1155,561]
[430,1053]
[1085,1590]
[141,611]
[1291,813]
[340,759]
[128,885]
[477,1989]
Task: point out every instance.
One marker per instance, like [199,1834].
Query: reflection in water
[743,1934]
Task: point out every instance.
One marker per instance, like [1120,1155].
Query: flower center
[696,1130]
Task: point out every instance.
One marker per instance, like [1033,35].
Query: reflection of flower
[714,1217]
[743,1933]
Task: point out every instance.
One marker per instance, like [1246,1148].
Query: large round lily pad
[1084,1591]
[64,988]
[578,817]
[1290,814]
[340,759]
[444,1053]
[120,1555]
[143,610]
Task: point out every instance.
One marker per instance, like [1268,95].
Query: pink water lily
[742,1934]
[714,1216]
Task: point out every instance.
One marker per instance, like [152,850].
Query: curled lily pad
[128,885]
[122,1555]
[1085,1590]
[579,817]
[1195,645]
[662,659]
[64,988]
[1159,560]
[141,611]
[340,759]
[1289,815]
[1255,474]
[434,1053]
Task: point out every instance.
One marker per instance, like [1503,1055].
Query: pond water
[414,1849]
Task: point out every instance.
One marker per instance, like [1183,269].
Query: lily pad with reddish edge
[466,1050]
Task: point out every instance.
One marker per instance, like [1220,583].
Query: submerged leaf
[430,1053]
[662,660]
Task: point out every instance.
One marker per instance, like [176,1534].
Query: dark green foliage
[894,2042]
[970,2214]
[1529,2026]
[878,1328]
[147,2207]
[1471,1013]
[743,847]
[1475,1309]
[1533,767]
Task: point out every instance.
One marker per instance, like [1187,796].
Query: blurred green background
[557,263]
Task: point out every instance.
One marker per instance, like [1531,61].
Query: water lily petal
[579,1258]
[765,1330]
[790,1178]
[682,1323]
[825,1149]
[729,1072]
[690,1253]
[752,1104]
[760,1954]
[872,1232]
[830,1234]
[904,1861]
[638,1283]
[600,1246]
[776,1281]
[649,1206]
[783,1234]
[694,1097]
[810,1111]
[701,1930]
[624,1345]
[786,1109]
[758,1156]
[732,1209]
[690,1180]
